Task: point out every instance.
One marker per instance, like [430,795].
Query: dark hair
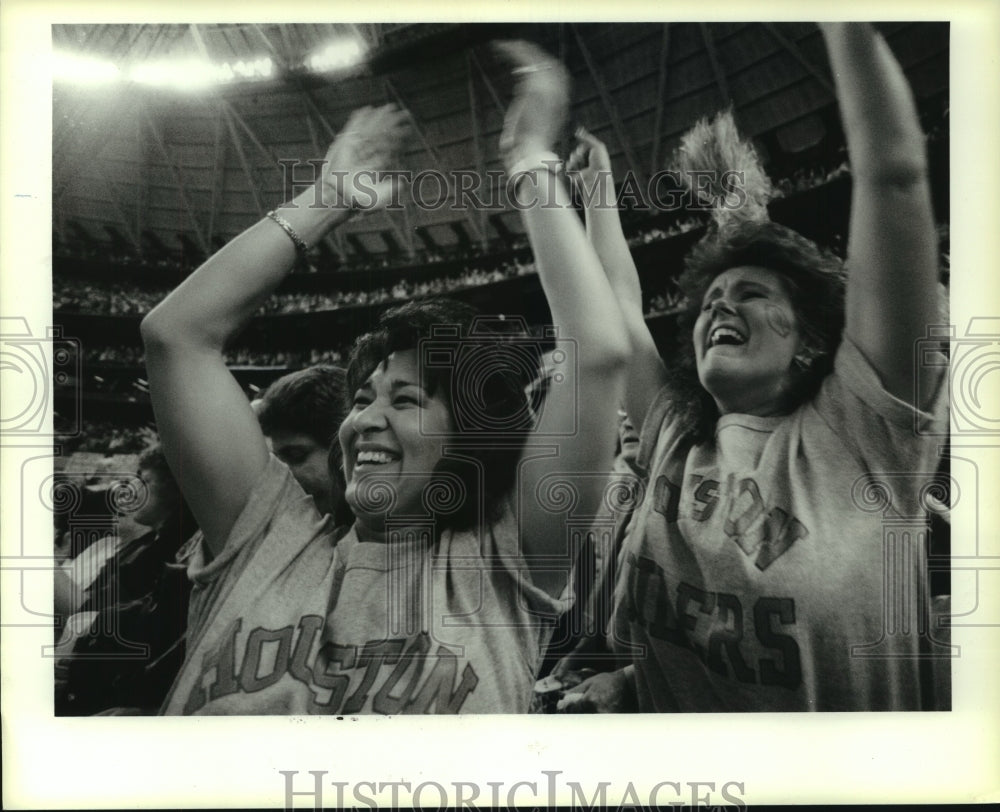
[482,374]
[814,279]
[310,401]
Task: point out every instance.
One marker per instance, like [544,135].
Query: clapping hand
[365,149]
[541,101]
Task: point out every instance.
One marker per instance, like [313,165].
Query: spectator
[123,647]
[300,414]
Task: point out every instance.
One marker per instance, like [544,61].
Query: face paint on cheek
[778,321]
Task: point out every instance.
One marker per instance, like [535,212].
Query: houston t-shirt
[782,567]
[288,620]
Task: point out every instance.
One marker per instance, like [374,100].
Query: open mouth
[374,458]
[725,335]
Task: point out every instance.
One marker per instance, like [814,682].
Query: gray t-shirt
[782,567]
[287,620]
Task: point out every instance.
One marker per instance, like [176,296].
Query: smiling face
[745,339]
[392,437]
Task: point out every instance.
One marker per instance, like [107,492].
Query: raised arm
[584,309]
[590,167]
[210,436]
[892,245]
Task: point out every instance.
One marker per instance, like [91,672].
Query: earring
[805,357]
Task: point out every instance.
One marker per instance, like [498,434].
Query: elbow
[163,331]
[154,331]
[160,333]
[904,171]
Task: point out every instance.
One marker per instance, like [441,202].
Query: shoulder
[278,520]
[855,407]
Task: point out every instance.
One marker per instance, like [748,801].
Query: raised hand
[367,146]
[541,101]
[589,165]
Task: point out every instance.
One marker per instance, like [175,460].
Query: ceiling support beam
[797,55]
[129,232]
[661,94]
[218,175]
[199,42]
[175,171]
[278,55]
[411,246]
[489,85]
[272,160]
[235,136]
[142,189]
[609,107]
[477,149]
[435,157]
[118,40]
[713,58]
[67,164]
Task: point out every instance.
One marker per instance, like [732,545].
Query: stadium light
[341,53]
[87,70]
[179,74]
[197,74]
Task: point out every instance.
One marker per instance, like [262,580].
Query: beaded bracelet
[300,246]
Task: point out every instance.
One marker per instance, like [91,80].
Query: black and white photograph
[601,386]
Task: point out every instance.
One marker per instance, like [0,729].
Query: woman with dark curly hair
[758,575]
[441,597]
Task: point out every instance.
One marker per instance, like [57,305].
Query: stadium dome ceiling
[153,168]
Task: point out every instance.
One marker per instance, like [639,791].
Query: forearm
[892,247]
[604,230]
[583,306]
[645,374]
[218,299]
[880,120]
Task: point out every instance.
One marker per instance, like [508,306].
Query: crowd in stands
[403,290]
[655,234]
[104,437]
[128,355]
[809,177]
[657,303]
[107,298]
[76,295]
[73,295]
[116,299]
